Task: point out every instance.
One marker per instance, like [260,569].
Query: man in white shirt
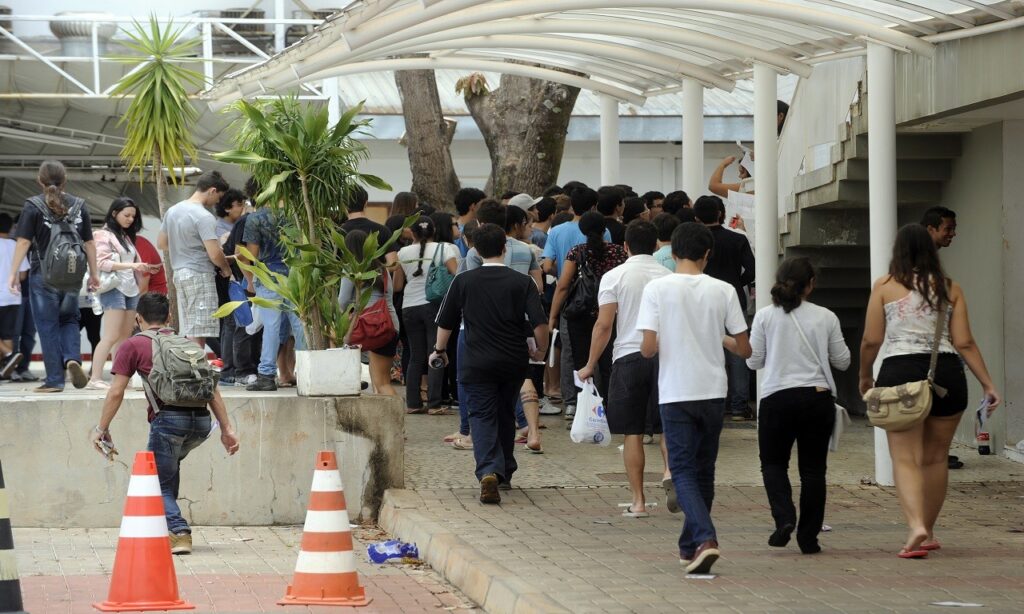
[10,303]
[682,317]
[633,386]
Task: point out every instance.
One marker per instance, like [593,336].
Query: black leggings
[806,416]
[422,333]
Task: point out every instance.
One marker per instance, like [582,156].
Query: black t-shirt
[231,245]
[732,260]
[495,314]
[32,225]
[369,226]
[617,230]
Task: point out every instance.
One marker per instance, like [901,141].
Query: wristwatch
[437,351]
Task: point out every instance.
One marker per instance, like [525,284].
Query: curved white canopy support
[457,64]
[575,45]
[622,75]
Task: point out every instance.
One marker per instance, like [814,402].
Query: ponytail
[791,282]
[423,230]
[592,225]
[52,178]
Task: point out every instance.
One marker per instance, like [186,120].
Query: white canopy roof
[629,49]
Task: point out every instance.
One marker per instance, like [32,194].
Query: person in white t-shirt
[683,317]
[633,386]
[10,303]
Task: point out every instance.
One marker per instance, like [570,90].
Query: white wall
[975,259]
[645,166]
[1013,264]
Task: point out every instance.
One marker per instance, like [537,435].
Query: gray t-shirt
[187,225]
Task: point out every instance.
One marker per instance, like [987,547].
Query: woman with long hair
[796,343]
[381,358]
[419,314]
[119,261]
[901,312]
[55,311]
[599,256]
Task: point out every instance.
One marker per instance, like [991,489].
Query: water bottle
[97,307]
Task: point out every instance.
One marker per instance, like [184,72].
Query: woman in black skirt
[901,312]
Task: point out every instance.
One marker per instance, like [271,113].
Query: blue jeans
[172,435]
[56,318]
[739,383]
[492,418]
[272,324]
[691,431]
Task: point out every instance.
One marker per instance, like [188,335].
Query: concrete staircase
[828,221]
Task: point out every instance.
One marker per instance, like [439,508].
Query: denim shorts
[115,299]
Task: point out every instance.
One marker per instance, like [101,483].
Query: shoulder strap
[147,333]
[940,325]
[808,345]
[41,205]
[438,247]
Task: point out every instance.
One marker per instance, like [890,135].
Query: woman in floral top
[600,257]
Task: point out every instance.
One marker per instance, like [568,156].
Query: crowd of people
[497,311]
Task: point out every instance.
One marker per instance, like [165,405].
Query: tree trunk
[428,139]
[161,201]
[524,123]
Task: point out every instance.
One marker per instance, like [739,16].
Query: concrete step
[910,146]
[907,170]
[833,257]
[850,194]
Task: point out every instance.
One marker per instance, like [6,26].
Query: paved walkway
[558,542]
[242,569]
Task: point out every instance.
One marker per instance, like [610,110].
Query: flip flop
[463,443]
[533,451]
[912,554]
[932,546]
[629,513]
[452,437]
[439,411]
[416,410]
[671,500]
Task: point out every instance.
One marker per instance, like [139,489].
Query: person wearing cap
[529,204]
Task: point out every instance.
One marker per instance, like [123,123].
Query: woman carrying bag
[119,266]
[793,341]
[902,312]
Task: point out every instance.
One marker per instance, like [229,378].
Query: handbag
[439,278]
[374,329]
[842,417]
[582,299]
[899,408]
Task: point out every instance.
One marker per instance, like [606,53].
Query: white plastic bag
[257,322]
[590,424]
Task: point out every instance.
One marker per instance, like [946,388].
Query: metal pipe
[766,181]
[609,140]
[95,58]
[882,201]
[693,138]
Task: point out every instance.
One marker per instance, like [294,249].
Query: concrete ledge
[496,588]
[55,479]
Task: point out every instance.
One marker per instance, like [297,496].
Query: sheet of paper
[551,348]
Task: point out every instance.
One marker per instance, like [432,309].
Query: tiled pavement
[243,569]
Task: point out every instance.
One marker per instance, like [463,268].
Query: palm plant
[307,168]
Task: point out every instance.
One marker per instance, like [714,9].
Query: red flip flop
[912,554]
[932,546]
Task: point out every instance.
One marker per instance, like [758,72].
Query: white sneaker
[547,408]
[97,384]
[570,412]
[248,379]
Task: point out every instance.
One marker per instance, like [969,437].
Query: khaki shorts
[197,300]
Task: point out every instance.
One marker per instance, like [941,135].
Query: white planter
[328,373]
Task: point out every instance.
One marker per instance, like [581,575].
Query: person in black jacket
[732,261]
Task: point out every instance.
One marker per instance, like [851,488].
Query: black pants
[805,416]
[422,333]
[246,350]
[91,323]
[492,419]
[580,330]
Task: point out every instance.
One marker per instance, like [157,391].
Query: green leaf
[238,156]
[227,309]
[266,302]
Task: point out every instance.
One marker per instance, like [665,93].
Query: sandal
[452,437]
[934,545]
[464,442]
[912,554]
[629,513]
[439,411]
[282,383]
[415,410]
[538,450]
[97,384]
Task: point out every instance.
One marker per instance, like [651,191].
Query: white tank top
[910,327]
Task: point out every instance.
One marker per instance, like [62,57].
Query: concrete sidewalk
[558,542]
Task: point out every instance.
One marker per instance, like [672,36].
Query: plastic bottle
[984,446]
[94,300]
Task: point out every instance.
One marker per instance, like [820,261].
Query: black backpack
[582,301]
[63,263]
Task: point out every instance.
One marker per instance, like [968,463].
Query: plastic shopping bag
[590,425]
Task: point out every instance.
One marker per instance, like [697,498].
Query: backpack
[374,329]
[439,278]
[181,375]
[582,301]
[63,263]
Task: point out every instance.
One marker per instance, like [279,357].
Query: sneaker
[489,489]
[78,376]
[648,440]
[547,408]
[8,363]
[263,383]
[97,384]
[24,376]
[705,556]
[739,418]
[226,381]
[570,412]
[245,380]
[181,543]
[505,486]
[47,389]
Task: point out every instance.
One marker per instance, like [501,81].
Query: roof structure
[629,49]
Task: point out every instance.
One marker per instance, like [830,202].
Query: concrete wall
[1012,162]
[55,479]
[975,259]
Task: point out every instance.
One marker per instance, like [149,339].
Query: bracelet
[97,429]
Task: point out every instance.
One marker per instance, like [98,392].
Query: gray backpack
[181,375]
[63,263]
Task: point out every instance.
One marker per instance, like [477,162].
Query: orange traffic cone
[325,573]
[143,576]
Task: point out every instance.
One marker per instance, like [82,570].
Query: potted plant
[306,168]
